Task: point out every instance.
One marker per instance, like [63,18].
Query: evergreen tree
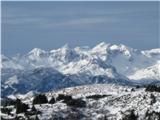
[52,101]
[20,107]
[40,99]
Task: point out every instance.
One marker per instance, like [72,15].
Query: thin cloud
[47,18]
[24,21]
[51,22]
[83,21]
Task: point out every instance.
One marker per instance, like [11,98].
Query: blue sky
[50,25]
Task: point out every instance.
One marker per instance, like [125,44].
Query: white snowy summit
[104,63]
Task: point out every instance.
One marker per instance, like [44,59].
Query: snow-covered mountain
[126,60]
[104,63]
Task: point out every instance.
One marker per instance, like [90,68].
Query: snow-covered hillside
[104,63]
[91,102]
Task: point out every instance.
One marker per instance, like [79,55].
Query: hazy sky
[49,25]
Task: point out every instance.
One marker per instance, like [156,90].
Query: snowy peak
[112,47]
[102,47]
[121,48]
[36,52]
[65,54]
[108,51]
[63,49]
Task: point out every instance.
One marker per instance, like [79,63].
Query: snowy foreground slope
[91,102]
[67,67]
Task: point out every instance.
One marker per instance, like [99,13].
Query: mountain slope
[45,79]
[151,73]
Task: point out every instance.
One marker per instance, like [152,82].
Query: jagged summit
[37,51]
[102,48]
[63,48]
[102,45]
[66,46]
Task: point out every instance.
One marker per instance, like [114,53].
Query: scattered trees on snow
[152,88]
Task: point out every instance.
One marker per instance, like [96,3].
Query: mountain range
[41,71]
